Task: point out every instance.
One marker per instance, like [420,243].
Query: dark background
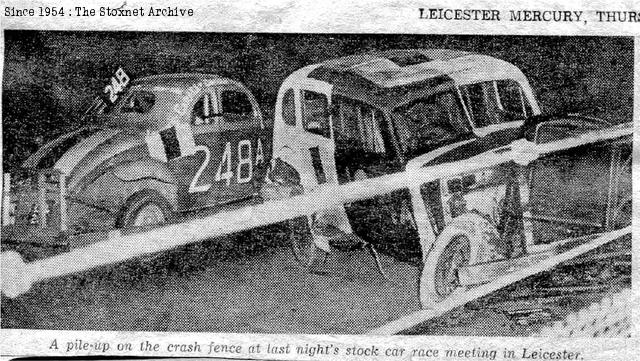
[50,78]
[228,285]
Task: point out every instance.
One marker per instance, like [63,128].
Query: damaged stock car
[365,116]
[168,145]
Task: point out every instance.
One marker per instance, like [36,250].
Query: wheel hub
[150,214]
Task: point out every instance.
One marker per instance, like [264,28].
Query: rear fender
[110,192]
[146,168]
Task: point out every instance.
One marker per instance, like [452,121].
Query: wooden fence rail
[18,276]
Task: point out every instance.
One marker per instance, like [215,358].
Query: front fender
[282,181]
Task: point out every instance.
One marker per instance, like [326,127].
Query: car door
[316,147]
[365,148]
[231,143]
[243,141]
[202,189]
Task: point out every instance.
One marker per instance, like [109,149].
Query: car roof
[392,77]
[394,68]
[182,81]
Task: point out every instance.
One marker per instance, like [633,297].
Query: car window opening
[288,108]
[358,125]
[236,105]
[137,102]
[428,123]
[495,102]
[315,113]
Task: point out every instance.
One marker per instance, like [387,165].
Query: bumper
[35,209]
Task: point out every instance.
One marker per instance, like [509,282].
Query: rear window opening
[138,101]
[408,60]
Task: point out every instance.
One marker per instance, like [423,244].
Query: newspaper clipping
[379,180]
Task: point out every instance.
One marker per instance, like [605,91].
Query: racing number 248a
[225,172]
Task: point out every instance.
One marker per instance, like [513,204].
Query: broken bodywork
[365,116]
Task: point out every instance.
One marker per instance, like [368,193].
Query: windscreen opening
[428,123]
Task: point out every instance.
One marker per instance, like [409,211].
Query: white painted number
[259,153]
[226,163]
[244,169]
[122,77]
[118,82]
[244,161]
[193,187]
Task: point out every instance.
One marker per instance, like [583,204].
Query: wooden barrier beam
[17,276]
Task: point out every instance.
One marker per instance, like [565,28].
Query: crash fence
[18,276]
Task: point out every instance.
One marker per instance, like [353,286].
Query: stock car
[168,145]
[368,115]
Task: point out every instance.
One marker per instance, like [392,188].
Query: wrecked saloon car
[365,116]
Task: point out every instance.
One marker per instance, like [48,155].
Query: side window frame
[303,115]
[288,114]
[456,130]
[380,124]
[525,108]
[209,93]
[255,109]
[498,95]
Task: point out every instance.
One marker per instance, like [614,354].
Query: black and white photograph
[285,183]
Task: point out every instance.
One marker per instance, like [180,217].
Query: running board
[486,272]
[481,273]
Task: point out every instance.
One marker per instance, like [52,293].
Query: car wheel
[439,278]
[468,239]
[145,208]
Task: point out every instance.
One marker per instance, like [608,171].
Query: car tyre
[469,239]
[145,208]
[439,278]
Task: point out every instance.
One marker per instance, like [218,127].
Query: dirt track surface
[214,287]
[264,293]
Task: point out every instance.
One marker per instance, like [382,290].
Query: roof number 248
[118,82]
